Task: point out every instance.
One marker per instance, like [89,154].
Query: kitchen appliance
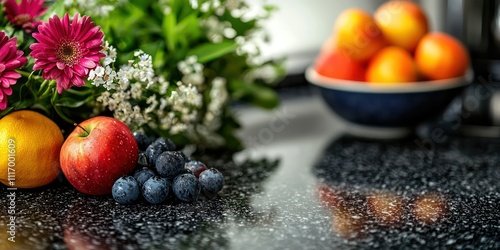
[477,24]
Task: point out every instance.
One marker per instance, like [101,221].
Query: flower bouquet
[170,68]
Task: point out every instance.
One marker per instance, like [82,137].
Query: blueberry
[125,190]
[166,143]
[142,160]
[156,148]
[211,181]
[155,190]
[170,163]
[186,187]
[142,175]
[142,140]
[196,167]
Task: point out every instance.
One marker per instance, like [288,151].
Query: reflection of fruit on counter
[440,56]
[332,63]
[349,217]
[328,196]
[98,152]
[429,208]
[348,211]
[386,207]
[392,65]
[30,144]
[348,224]
[358,35]
[86,224]
[403,23]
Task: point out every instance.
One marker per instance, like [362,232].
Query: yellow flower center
[22,19]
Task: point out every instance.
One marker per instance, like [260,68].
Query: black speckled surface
[461,175]
[258,209]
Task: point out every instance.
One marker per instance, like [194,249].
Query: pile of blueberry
[165,173]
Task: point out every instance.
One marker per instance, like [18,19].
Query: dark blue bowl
[388,106]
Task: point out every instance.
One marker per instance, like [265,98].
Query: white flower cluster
[218,99]
[137,96]
[192,71]
[104,74]
[266,73]
[206,131]
[238,9]
[217,30]
[184,103]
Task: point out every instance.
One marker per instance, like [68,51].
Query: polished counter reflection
[358,193]
[397,193]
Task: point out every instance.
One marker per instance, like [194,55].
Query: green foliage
[170,31]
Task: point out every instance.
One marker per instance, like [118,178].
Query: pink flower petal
[3,104]
[60,65]
[85,62]
[7,91]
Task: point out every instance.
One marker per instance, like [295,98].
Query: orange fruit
[30,146]
[332,63]
[392,65]
[403,23]
[440,56]
[358,35]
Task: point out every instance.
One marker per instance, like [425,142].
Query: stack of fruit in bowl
[388,69]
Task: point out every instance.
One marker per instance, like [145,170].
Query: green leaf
[23,104]
[210,51]
[188,29]
[256,94]
[71,103]
[79,92]
[56,7]
[264,97]
[168,26]
[6,111]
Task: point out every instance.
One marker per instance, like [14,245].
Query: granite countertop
[300,184]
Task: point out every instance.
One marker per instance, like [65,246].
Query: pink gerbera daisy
[10,59]
[24,13]
[67,50]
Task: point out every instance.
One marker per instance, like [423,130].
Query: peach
[440,56]
[403,23]
[392,65]
[357,34]
[334,64]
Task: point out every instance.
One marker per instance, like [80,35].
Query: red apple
[98,152]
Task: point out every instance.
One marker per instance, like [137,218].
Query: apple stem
[78,125]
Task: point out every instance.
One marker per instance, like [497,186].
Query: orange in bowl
[403,23]
[358,35]
[392,65]
[441,56]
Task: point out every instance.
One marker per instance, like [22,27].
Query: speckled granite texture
[360,194]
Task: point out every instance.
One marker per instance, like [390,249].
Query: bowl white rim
[412,87]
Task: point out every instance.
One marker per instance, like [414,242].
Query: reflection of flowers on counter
[174,75]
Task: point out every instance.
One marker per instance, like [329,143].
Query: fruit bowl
[394,107]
